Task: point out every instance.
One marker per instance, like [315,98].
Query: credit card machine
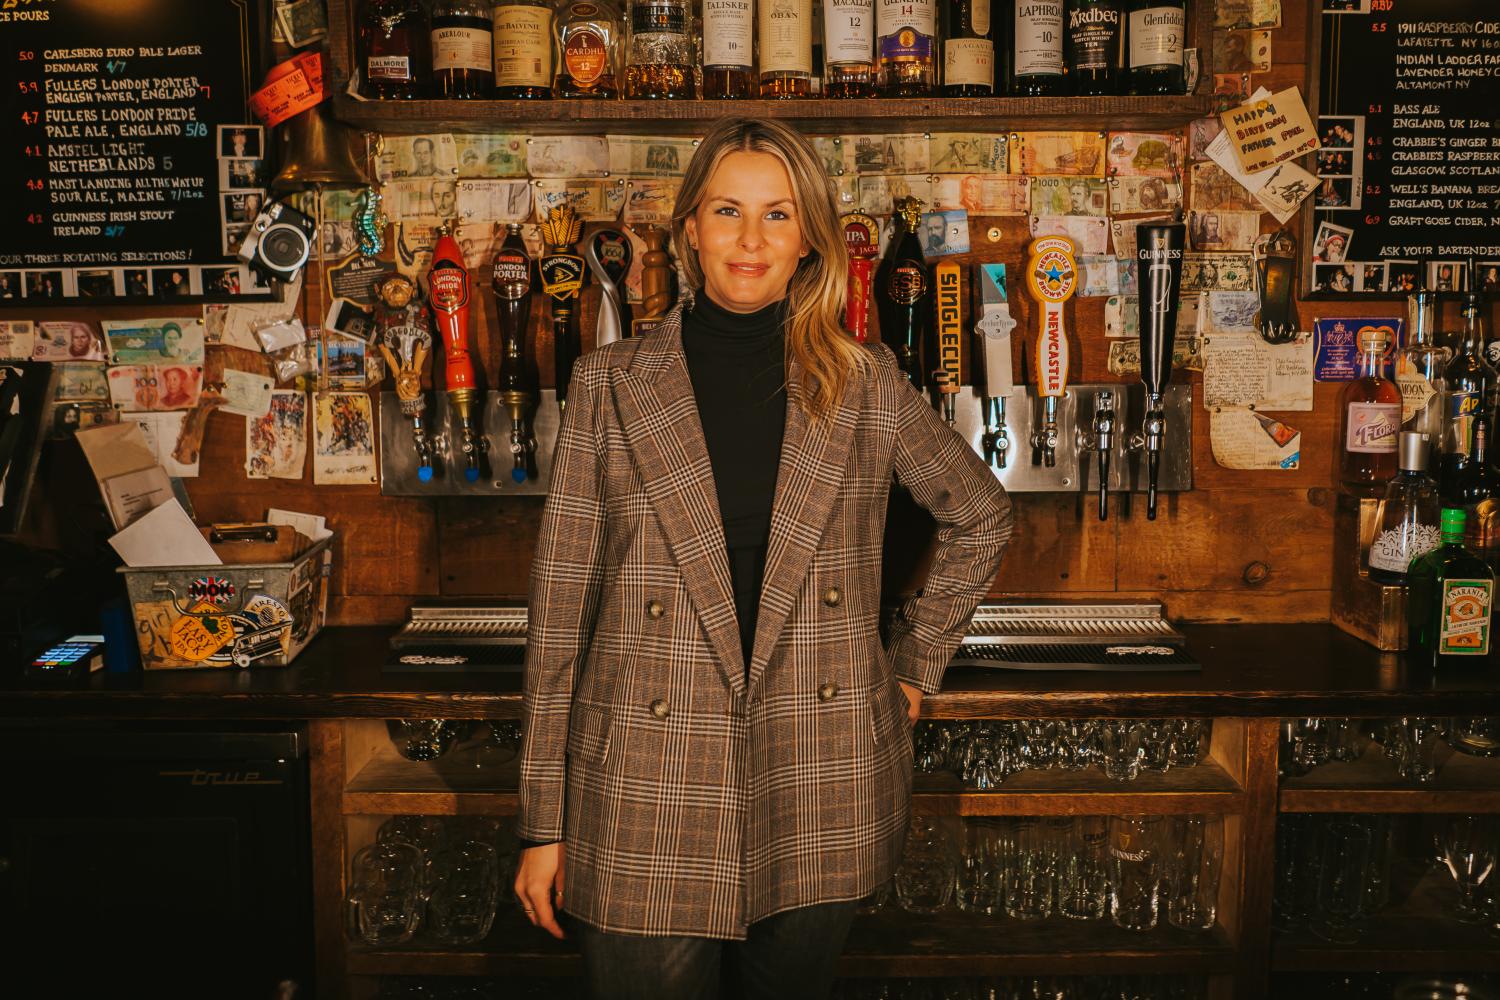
[76,656]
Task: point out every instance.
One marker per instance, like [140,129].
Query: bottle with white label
[1036,51]
[463,66]
[848,48]
[968,49]
[1419,369]
[523,50]
[785,36]
[1406,524]
[1155,33]
[728,49]
[906,47]
[1370,408]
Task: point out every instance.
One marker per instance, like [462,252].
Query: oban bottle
[785,35]
[1155,31]
[728,48]
[394,49]
[848,48]
[968,49]
[523,50]
[1036,54]
[1094,46]
[588,47]
[906,47]
[463,66]
[660,58]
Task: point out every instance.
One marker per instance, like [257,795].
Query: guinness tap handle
[1159,249]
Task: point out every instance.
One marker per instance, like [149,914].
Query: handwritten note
[1267,131]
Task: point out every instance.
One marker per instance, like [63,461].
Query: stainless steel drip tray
[460,638]
[1029,635]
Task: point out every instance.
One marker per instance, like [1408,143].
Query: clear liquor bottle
[848,48]
[906,47]
[1407,520]
[660,60]
[968,49]
[785,37]
[394,50]
[1370,418]
[1467,389]
[728,48]
[1036,52]
[1419,371]
[1155,32]
[588,46]
[1451,601]
[523,50]
[463,66]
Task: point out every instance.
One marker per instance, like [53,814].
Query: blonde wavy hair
[816,293]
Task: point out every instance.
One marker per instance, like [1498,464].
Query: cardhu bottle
[849,48]
[906,47]
[463,59]
[968,49]
[523,50]
[785,34]
[394,46]
[1155,31]
[588,44]
[728,49]
[1036,54]
[1094,39]
[903,293]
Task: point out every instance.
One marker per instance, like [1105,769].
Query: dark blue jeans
[791,955]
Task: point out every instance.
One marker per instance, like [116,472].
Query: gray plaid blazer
[695,797]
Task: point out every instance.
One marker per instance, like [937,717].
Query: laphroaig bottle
[1451,600]
[849,48]
[1370,418]
[906,47]
[1155,31]
[968,49]
[1036,54]
[1407,522]
[1095,34]
[463,66]
[523,50]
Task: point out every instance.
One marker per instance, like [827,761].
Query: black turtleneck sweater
[738,369]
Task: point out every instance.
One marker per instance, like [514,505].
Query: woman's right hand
[539,886]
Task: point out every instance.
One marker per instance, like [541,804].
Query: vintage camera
[279,242]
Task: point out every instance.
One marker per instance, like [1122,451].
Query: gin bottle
[1407,520]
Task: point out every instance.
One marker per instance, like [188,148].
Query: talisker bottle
[903,293]
[1094,46]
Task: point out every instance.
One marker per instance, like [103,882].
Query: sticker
[1465,626]
[201,633]
[214,589]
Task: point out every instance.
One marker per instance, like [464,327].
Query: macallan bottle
[1155,31]
[1036,54]
[1370,412]
[728,48]
[523,50]
[1094,46]
[905,47]
[785,35]
[463,59]
[588,46]
[394,46]
[903,294]
[848,48]
[659,61]
[968,49]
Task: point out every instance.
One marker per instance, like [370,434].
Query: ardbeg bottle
[1095,36]
[903,293]
[1154,34]
[1036,53]
[1451,601]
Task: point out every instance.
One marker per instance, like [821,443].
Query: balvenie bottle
[1036,52]
[1094,45]
[394,47]
[1155,31]
[968,49]
[523,50]
[463,66]
[903,293]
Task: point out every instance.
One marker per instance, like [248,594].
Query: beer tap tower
[1159,248]
[513,283]
[449,295]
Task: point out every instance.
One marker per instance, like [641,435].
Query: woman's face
[747,232]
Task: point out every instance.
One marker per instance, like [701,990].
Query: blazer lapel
[814,455]
[659,417]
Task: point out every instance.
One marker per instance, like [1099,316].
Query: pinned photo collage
[1340,163]
[242,181]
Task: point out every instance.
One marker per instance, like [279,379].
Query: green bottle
[1452,592]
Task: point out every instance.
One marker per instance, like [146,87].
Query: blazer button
[654,608]
[660,708]
[827,691]
[831,597]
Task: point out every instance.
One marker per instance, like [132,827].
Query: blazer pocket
[887,699]
[588,733]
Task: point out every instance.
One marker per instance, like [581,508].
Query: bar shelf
[1464,784]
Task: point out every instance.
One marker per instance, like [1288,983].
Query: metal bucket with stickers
[232,615]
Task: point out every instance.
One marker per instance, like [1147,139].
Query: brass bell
[315,151]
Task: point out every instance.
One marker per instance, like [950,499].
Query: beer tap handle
[1104,440]
[1002,436]
[1051,279]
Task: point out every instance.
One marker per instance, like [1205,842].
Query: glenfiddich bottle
[1154,34]
[968,49]
[905,47]
[394,47]
[463,66]
[848,48]
[903,293]
[659,61]
[785,34]
[1094,46]
[588,46]
[523,50]
[728,48]
[1036,59]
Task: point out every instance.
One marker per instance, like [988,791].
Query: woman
[717,747]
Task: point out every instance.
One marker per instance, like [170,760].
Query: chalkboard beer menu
[1409,173]
[120,116]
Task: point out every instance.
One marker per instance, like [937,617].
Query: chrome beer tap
[1100,439]
[1159,249]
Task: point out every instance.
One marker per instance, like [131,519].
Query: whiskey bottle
[815,85]
[785,35]
[728,48]
[848,48]
[968,49]
[588,45]
[1370,412]
[1036,55]
[1466,388]
[1451,601]
[393,49]
[523,50]
[903,294]
[463,66]
[1154,34]
[905,43]
[659,62]
[1094,46]
[1419,370]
